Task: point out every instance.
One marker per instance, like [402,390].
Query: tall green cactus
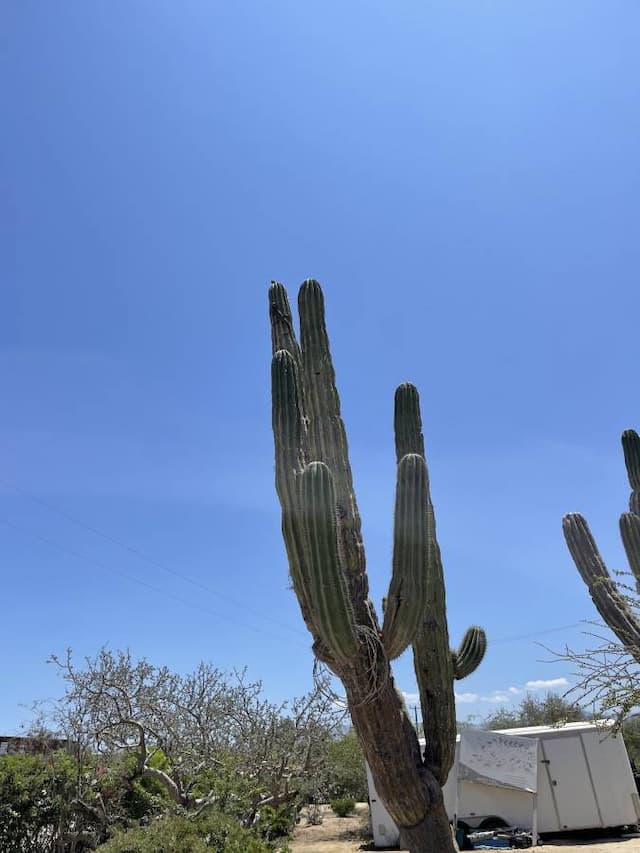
[322,533]
[611,602]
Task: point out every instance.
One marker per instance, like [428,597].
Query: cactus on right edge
[607,597]
[321,530]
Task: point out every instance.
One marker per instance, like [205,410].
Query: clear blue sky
[462,177]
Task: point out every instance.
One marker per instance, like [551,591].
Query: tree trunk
[410,792]
[433,835]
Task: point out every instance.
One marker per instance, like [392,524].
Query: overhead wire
[141,555]
[105,567]
[533,634]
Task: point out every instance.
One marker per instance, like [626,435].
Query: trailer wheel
[493,822]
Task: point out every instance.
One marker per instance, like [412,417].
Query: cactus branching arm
[468,656]
[604,592]
[630,533]
[322,575]
[433,660]
[631,450]
[413,543]
[610,602]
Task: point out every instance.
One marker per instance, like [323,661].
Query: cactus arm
[327,434]
[630,533]
[407,421]
[282,332]
[288,429]
[469,654]
[604,593]
[322,574]
[435,666]
[631,450]
[431,655]
[412,546]
[328,440]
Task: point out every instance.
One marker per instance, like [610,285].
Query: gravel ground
[349,834]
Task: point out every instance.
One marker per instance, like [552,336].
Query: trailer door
[571,783]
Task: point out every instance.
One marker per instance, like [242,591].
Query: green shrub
[212,832]
[344,806]
[346,775]
[276,823]
[34,794]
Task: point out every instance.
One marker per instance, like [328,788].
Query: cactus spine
[612,605]
[322,532]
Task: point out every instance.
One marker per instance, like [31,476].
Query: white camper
[582,780]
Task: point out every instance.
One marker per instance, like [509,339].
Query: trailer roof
[589,725]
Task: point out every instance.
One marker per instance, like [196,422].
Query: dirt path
[350,834]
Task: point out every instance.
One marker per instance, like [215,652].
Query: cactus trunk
[322,533]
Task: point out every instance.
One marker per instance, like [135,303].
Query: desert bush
[343,806]
[345,768]
[35,793]
[180,833]
[276,822]
[314,814]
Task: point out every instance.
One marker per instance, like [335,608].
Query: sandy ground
[334,834]
[346,835]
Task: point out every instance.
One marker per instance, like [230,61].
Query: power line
[141,555]
[104,567]
[533,634]
[157,564]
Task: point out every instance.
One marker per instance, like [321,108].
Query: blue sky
[463,179]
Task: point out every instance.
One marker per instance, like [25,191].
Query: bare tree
[206,727]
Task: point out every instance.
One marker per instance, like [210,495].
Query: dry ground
[334,834]
[350,834]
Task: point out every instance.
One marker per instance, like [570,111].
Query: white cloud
[496,696]
[467,697]
[501,696]
[542,684]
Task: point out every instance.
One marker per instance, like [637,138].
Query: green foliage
[552,710]
[631,734]
[142,798]
[276,822]
[35,792]
[343,806]
[346,769]
[209,832]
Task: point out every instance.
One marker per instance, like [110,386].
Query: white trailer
[584,781]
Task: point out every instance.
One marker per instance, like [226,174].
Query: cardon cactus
[611,603]
[323,539]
